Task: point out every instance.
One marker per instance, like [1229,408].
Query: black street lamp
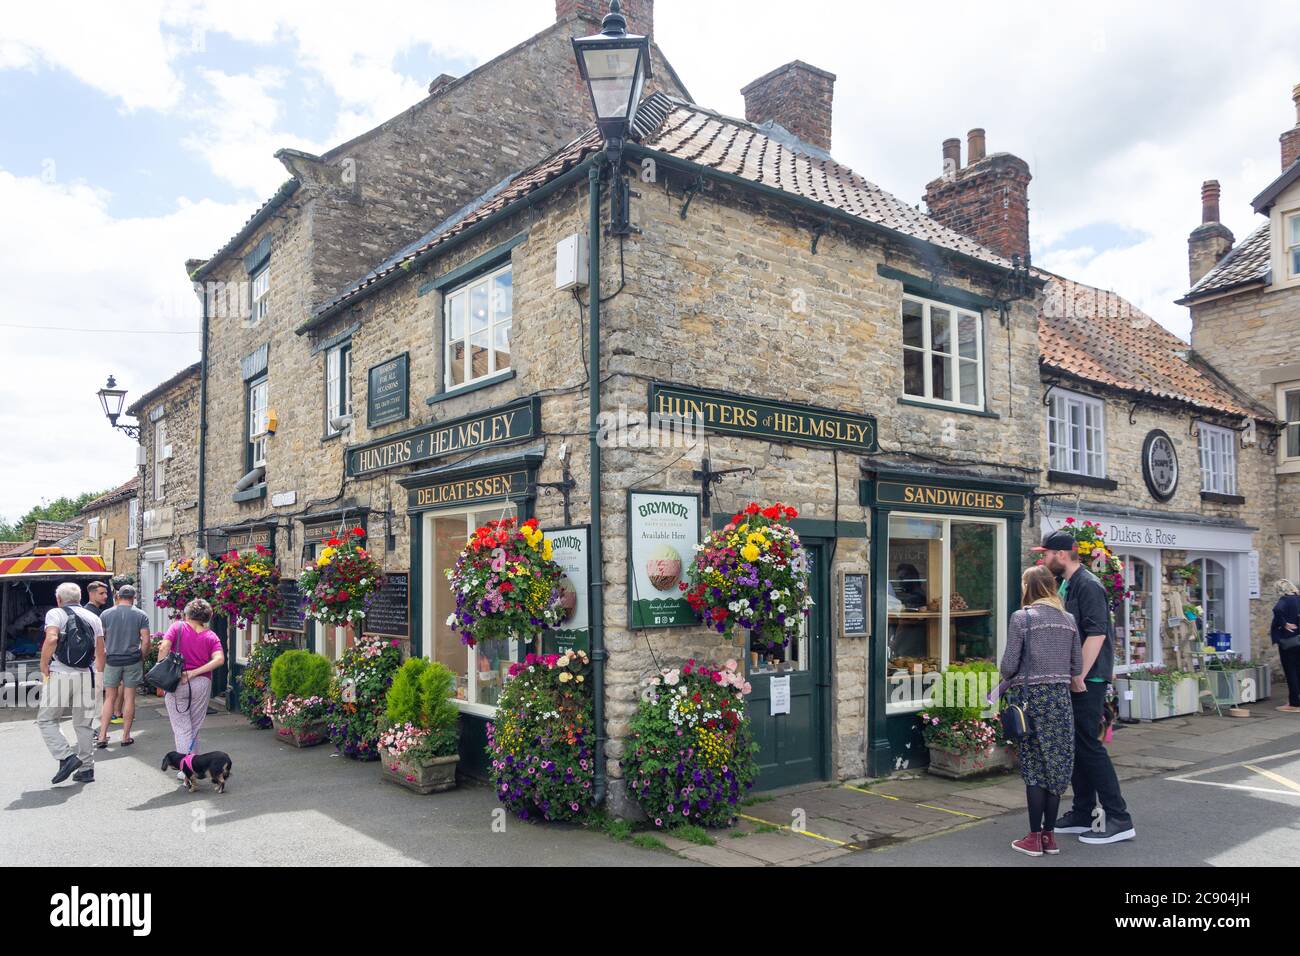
[110,399]
[615,65]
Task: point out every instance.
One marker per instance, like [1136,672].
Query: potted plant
[962,740]
[419,749]
[506,584]
[299,682]
[752,574]
[247,586]
[690,754]
[341,585]
[542,766]
[357,696]
[1235,682]
[1154,693]
[255,679]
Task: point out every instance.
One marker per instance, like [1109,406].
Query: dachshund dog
[214,765]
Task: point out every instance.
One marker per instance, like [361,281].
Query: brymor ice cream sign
[663,532]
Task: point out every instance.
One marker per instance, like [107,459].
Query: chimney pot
[974,146]
[1210,201]
[951,155]
[797,96]
[440,81]
[1291,138]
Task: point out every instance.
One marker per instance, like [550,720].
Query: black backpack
[76,646]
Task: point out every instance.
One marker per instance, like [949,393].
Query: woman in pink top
[201,650]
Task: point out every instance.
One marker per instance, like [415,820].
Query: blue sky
[135,136]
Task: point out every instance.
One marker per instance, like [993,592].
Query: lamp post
[110,399]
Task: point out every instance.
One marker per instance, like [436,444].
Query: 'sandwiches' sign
[497,426]
[948,498]
[762,418]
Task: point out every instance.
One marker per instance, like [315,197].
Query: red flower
[719,613]
[772,512]
[506,587]
[333,542]
[751,508]
[791,512]
[530,523]
[359,531]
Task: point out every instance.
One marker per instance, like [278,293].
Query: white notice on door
[780,695]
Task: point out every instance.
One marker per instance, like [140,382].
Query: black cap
[1057,541]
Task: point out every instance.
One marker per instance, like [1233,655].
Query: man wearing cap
[1094,775]
[126,643]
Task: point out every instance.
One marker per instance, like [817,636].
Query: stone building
[1245,306]
[168,522]
[1139,434]
[112,528]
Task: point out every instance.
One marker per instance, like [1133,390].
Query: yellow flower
[546,550]
[749,552]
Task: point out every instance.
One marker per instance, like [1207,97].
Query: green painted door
[793,747]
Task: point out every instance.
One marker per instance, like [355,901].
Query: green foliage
[60,509]
[255,681]
[693,834]
[437,687]
[648,841]
[404,704]
[420,696]
[960,692]
[300,673]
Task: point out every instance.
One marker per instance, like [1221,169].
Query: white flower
[671,677]
[775,595]
[451,620]
[781,608]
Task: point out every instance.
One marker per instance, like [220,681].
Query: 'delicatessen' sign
[489,487]
[948,498]
[498,426]
[760,418]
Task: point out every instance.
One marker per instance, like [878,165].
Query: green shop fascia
[946,552]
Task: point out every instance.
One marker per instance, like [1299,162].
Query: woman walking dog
[1042,663]
[187,705]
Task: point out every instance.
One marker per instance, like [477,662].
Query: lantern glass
[111,399]
[615,75]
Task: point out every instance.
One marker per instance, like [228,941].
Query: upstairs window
[132,523]
[260,296]
[338,385]
[1218,459]
[1076,434]
[1291,416]
[477,320]
[159,459]
[943,359]
[1291,244]
[257,422]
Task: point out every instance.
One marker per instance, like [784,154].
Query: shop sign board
[663,533]
[948,498]
[389,613]
[569,549]
[762,418]
[388,388]
[853,598]
[498,426]
[1122,534]
[490,487]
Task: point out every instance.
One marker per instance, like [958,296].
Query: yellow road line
[815,836]
[956,813]
[1275,777]
[872,792]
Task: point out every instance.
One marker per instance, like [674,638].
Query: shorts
[132,675]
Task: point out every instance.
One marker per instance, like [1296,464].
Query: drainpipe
[203,420]
[598,577]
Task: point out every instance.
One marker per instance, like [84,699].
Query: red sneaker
[1031,845]
[1049,843]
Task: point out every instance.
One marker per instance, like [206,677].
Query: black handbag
[166,674]
[1017,721]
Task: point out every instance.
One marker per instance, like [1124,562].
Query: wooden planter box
[1147,703]
[425,776]
[307,736]
[1229,687]
[956,766]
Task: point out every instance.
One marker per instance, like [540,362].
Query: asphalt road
[282,806]
[1239,810]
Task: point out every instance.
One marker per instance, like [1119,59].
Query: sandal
[126,741]
[101,744]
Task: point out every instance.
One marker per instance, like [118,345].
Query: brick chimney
[798,97]
[987,199]
[640,15]
[1211,240]
[1291,138]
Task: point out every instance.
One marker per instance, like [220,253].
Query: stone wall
[172,522]
[112,538]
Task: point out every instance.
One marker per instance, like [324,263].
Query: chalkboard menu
[390,612]
[855,605]
[388,391]
[291,615]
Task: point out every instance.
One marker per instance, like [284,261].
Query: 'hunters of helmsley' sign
[497,426]
[760,418]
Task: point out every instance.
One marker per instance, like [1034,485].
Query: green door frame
[1013,494]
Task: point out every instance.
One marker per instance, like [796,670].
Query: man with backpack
[72,652]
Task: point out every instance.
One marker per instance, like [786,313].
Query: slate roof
[147,398]
[766,156]
[120,493]
[1250,261]
[1099,336]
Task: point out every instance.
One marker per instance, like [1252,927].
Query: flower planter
[308,735]
[1243,686]
[957,766]
[1142,699]
[431,775]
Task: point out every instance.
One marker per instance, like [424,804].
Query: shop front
[236,642]
[1171,561]
[946,556]
[328,639]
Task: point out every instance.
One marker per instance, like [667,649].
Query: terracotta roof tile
[1250,261]
[1101,337]
[120,493]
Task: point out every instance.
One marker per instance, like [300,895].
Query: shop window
[159,459]
[1218,459]
[1134,625]
[1289,406]
[132,523]
[245,637]
[257,422]
[1076,434]
[260,304]
[943,357]
[946,599]
[481,671]
[1210,593]
[338,386]
[478,319]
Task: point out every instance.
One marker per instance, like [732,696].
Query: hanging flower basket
[248,586]
[752,574]
[339,587]
[184,581]
[506,584]
[1099,559]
